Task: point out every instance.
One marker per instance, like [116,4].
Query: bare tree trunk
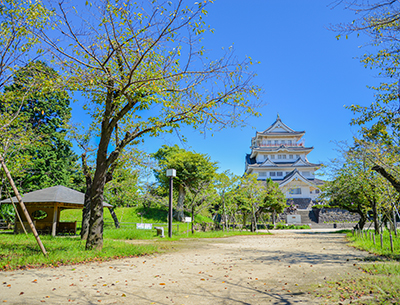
[224,213]
[114,217]
[179,215]
[273,217]
[192,219]
[86,215]
[376,222]
[87,202]
[362,221]
[244,221]
[95,236]
[393,181]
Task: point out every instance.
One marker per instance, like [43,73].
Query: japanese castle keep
[279,153]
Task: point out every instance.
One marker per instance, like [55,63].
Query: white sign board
[293,219]
[144,226]
[187,219]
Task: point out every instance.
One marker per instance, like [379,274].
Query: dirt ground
[269,269]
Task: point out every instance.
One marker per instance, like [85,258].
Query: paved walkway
[272,269]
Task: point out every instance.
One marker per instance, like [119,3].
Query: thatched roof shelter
[44,207]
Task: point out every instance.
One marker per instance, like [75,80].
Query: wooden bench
[3,225]
[67,227]
[41,227]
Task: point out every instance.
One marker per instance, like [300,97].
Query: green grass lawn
[21,251]
[367,244]
[379,282]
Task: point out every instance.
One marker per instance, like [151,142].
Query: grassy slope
[129,215]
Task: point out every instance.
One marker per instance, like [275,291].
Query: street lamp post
[171,173]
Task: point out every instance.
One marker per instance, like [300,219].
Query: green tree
[274,200]
[225,183]
[46,110]
[143,71]
[17,20]
[355,186]
[198,198]
[192,169]
[380,121]
[248,196]
[255,197]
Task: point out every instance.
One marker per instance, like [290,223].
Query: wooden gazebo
[44,207]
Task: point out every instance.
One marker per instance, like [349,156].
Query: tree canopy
[143,71]
[192,171]
[380,121]
[46,111]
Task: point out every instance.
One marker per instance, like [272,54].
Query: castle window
[279,174]
[297,156]
[290,156]
[295,191]
[290,142]
[272,156]
[262,174]
[279,156]
[283,156]
[276,142]
[272,174]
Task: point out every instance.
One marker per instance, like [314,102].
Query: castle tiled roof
[279,123]
[282,147]
[252,163]
[314,181]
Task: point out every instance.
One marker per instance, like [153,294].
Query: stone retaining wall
[335,215]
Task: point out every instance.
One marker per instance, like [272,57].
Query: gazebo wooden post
[55,216]
[21,203]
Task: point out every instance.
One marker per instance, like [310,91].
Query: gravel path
[271,269]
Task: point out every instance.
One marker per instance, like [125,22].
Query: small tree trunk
[179,215]
[87,202]
[224,212]
[114,217]
[376,222]
[86,214]
[192,219]
[273,217]
[362,221]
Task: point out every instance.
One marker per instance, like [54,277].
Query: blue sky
[306,74]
